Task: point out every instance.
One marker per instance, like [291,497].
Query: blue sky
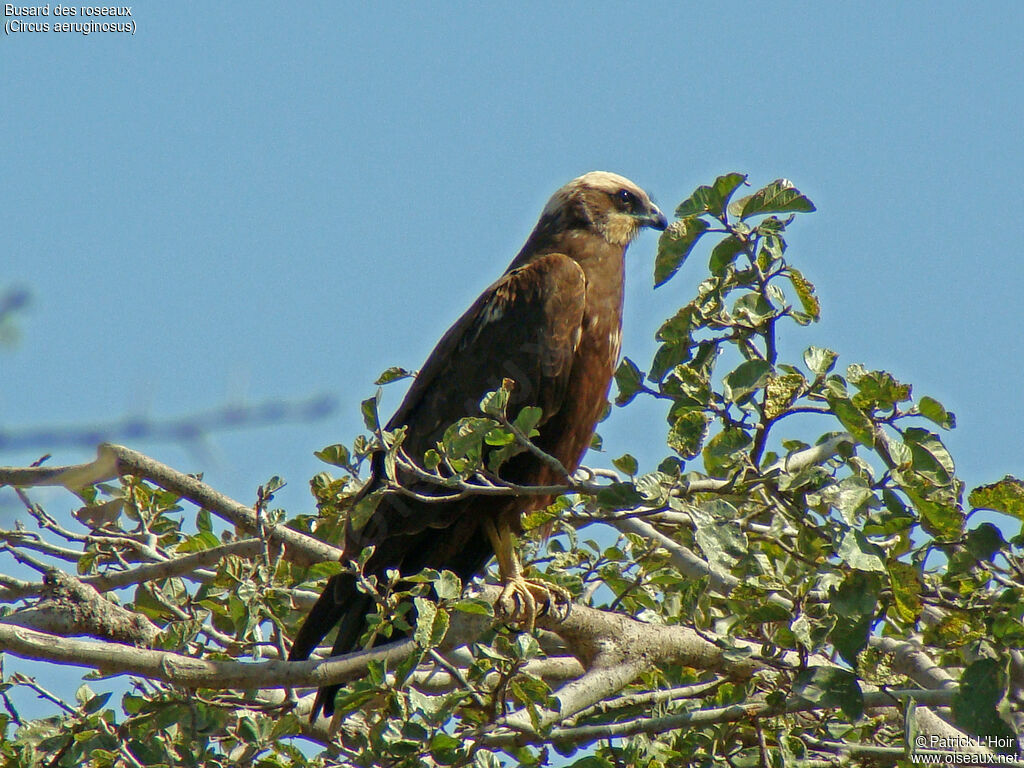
[252,201]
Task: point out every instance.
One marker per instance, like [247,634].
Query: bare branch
[74,608]
[115,460]
[189,672]
[912,661]
[730,714]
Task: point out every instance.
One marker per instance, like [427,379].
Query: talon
[522,600]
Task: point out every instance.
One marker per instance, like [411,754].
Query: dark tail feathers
[342,602]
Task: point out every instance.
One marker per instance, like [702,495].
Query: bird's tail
[341,603]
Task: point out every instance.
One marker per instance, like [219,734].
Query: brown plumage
[552,323]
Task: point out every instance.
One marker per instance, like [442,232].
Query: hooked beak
[654,219]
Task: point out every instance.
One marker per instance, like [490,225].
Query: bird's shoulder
[553,285]
[530,316]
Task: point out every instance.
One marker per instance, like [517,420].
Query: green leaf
[485,759]
[711,199]
[857,595]
[906,584]
[626,463]
[676,332]
[856,551]
[336,455]
[778,197]
[765,613]
[499,436]
[679,327]
[1006,496]
[448,586]
[686,435]
[933,410]
[675,245]
[780,392]
[940,515]
[619,496]
[272,486]
[820,361]
[431,460]
[528,419]
[248,730]
[204,521]
[747,379]
[394,373]
[849,636]
[984,541]
[877,389]
[473,605]
[850,496]
[753,308]
[96,703]
[721,451]
[431,623]
[773,245]
[629,381]
[1007,630]
[494,403]
[976,705]
[688,387]
[464,439]
[804,289]
[831,687]
[724,254]
[198,543]
[369,410]
[724,188]
[852,418]
[721,539]
[930,457]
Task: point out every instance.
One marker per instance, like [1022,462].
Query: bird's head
[607,204]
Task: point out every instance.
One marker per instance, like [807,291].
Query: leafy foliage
[806,520]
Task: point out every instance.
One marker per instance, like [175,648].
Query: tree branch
[730,714]
[115,460]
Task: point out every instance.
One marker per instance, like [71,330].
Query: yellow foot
[522,600]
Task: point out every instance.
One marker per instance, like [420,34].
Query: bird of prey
[552,324]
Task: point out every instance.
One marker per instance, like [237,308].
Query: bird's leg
[520,597]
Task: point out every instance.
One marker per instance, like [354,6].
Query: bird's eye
[627,200]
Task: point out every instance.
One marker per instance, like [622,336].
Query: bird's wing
[525,327]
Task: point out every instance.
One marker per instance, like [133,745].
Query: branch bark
[113,461]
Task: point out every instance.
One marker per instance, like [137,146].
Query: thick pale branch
[911,660]
[684,559]
[113,658]
[601,639]
[580,694]
[74,608]
[187,671]
[616,649]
